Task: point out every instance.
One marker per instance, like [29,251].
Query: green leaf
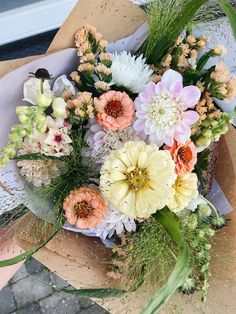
[35,156]
[183,265]
[169,18]
[99,293]
[171,224]
[230,11]
[177,278]
[28,254]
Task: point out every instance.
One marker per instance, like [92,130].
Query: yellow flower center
[178,184]
[138,179]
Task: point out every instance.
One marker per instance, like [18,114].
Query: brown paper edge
[120,19]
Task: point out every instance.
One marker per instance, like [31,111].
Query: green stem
[41,86]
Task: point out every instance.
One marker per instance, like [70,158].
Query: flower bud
[42,100]
[22,110]
[41,123]
[192,222]
[207,133]
[59,108]
[9,150]
[14,136]
[4,160]
[204,210]
[208,246]
[203,141]
[24,119]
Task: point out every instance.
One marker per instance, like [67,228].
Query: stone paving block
[58,281]
[60,303]
[86,302]
[20,274]
[29,290]
[33,308]
[34,267]
[7,303]
[94,309]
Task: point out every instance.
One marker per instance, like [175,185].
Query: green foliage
[197,234]
[147,256]
[167,20]
[178,276]
[204,168]
[99,293]
[55,229]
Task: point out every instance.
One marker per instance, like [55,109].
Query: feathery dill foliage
[148,256]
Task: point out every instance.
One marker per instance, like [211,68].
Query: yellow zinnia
[137,179]
[185,191]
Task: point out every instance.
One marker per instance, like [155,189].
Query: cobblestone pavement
[26,295]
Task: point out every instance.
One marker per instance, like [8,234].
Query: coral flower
[184,156]
[115,110]
[84,207]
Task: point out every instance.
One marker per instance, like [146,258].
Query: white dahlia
[114,222]
[130,72]
[137,179]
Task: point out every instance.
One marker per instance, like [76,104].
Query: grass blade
[180,273]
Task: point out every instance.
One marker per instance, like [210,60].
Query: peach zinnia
[184,156]
[115,110]
[84,207]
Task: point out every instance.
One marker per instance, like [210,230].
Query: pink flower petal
[182,133]
[175,89]
[189,97]
[139,125]
[183,137]
[171,76]
[161,89]
[190,117]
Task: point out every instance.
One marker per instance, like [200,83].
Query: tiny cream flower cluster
[225,86]
[212,123]
[184,54]
[83,104]
[88,41]
[39,172]
[95,63]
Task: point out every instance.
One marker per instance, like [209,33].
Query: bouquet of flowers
[124,148]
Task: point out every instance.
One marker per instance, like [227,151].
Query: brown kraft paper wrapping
[81,260]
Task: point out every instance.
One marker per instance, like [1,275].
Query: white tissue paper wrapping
[64,62]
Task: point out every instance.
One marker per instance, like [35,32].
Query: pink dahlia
[184,156]
[162,110]
[115,110]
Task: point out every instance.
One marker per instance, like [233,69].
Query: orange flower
[184,156]
[84,207]
[115,110]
